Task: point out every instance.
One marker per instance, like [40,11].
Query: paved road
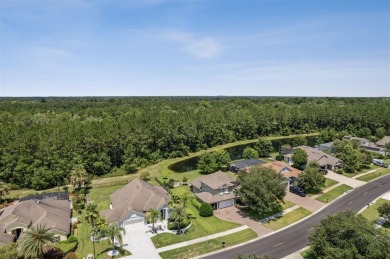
[295,238]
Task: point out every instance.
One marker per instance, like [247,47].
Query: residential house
[382,143]
[326,161]
[130,203]
[284,169]
[367,145]
[326,147]
[216,188]
[20,216]
[240,165]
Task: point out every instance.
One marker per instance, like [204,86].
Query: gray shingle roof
[139,196]
[214,180]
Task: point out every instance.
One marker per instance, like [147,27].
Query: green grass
[209,245]
[288,219]
[101,197]
[371,213]
[307,254]
[333,194]
[328,183]
[201,226]
[85,246]
[361,171]
[66,247]
[259,216]
[376,174]
[156,169]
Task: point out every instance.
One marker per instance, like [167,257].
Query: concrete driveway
[305,202]
[235,215]
[139,243]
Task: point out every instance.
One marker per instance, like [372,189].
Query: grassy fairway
[333,194]
[376,174]
[201,226]
[288,219]
[209,245]
[371,213]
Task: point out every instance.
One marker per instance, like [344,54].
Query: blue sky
[189,47]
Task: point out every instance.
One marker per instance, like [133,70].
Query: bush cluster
[206,210]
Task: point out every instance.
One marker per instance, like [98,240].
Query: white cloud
[205,48]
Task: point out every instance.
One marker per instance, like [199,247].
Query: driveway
[234,215]
[305,202]
[139,243]
[344,179]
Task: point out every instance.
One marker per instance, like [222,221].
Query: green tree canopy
[384,210]
[311,179]
[35,242]
[262,189]
[264,147]
[249,153]
[299,158]
[222,158]
[346,235]
[207,163]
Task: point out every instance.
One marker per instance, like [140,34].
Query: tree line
[43,139]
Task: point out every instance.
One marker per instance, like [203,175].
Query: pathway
[342,179]
[235,215]
[308,203]
[198,240]
[138,242]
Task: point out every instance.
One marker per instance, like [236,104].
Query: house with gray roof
[17,218]
[130,203]
[240,165]
[326,161]
[368,145]
[216,188]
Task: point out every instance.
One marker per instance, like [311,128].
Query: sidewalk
[198,240]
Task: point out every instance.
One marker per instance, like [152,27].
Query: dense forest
[42,139]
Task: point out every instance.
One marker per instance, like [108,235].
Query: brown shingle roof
[319,156]
[55,214]
[384,141]
[139,196]
[214,180]
[284,168]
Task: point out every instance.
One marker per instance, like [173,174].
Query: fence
[163,185]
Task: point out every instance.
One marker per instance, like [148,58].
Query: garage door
[224,204]
[134,221]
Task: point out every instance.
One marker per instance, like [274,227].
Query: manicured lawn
[328,183]
[333,194]
[371,213]
[200,227]
[209,245]
[364,170]
[259,216]
[376,174]
[288,219]
[101,196]
[85,246]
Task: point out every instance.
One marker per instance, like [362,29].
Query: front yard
[201,226]
[333,194]
[259,216]
[209,245]
[288,219]
[376,174]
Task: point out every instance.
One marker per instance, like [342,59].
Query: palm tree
[178,215]
[153,215]
[186,198]
[79,177]
[4,189]
[35,242]
[113,231]
[175,199]
[91,214]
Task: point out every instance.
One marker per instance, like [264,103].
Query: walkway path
[308,203]
[344,180]
[235,215]
[139,243]
[194,241]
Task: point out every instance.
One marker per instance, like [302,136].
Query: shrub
[173,225]
[72,239]
[279,157]
[340,171]
[71,255]
[185,179]
[171,183]
[145,176]
[79,206]
[206,210]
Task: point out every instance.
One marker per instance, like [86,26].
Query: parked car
[324,171]
[378,162]
[297,190]
[385,165]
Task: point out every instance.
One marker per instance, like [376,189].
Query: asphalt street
[295,237]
